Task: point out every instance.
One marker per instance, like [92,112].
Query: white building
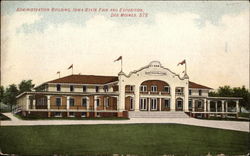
[152,88]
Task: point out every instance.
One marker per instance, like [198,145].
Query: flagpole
[59,75]
[72,69]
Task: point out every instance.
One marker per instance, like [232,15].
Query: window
[84,102]
[58,87]
[200,92]
[190,92]
[58,101]
[179,103]
[199,104]
[167,103]
[153,104]
[143,103]
[58,114]
[131,88]
[83,114]
[154,88]
[71,101]
[105,88]
[96,88]
[131,103]
[106,102]
[71,114]
[97,102]
[143,88]
[84,88]
[166,89]
[71,88]
[190,104]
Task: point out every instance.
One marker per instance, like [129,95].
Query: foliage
[1,93]
[131,139]
[227,91]
[25,86]
[10,95]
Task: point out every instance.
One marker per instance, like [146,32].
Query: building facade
[152,88]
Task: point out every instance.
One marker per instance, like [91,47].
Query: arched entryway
[179,104]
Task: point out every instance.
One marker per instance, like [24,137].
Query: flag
[183,71]
[182,62]
[58,72]
[119,58]
[70,66]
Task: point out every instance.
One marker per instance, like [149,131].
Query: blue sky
[211,36]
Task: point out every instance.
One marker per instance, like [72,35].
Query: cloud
[93,45]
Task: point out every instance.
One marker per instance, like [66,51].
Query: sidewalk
[229,125]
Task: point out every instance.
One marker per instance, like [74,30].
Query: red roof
[196,85]
[85,79]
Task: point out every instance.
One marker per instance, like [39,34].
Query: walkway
[229,125]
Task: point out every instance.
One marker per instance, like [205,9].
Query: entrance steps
[146,114]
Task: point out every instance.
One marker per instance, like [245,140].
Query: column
[27,102]
[226,109]
[48,101]
[172,103]
[88,103]
[149,104]
[237,109]
[137,98]
[193,105]
[121,105]
[216,106]
[68,97]
[222,105]
[95,105]
[185,102]
[237,106]
[160,104]
[208,105]
[34,103]
[205,105]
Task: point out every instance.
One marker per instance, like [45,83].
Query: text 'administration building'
[152,88]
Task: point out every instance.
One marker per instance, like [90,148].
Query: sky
[213,37]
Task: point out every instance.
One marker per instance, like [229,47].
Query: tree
[225,91]
[10,95]
[1,93]
[244,93]
[25,86]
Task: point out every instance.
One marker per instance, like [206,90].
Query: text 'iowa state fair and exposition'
[113,12]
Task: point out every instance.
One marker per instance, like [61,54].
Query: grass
[138,139]
[67,118]
[3,117]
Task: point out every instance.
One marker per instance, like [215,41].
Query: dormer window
[96,88]
[190,92]
[105,88]
[71,88]
[200,92]
[58,87]
[84,88]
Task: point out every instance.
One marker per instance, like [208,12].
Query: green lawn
[139,139]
